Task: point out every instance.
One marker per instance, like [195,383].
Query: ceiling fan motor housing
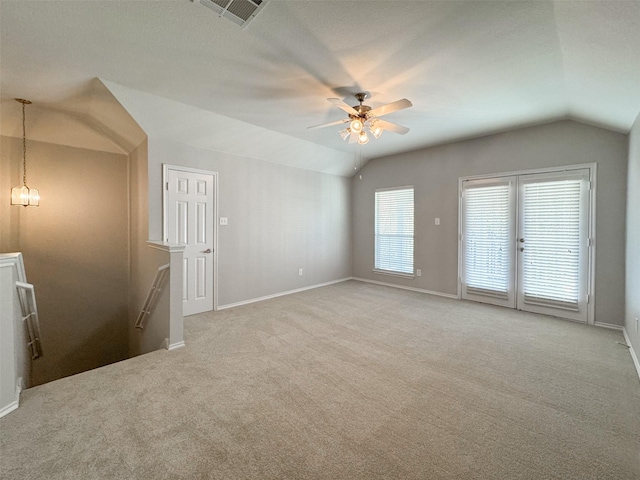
[362,111]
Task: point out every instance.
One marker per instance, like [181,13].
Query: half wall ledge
[174,255]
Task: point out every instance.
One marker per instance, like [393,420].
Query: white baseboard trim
[175,346]
[632,352]
[7,409]
[609,325]
[413,289]
[281,294]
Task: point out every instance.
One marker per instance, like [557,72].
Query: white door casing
[189,219]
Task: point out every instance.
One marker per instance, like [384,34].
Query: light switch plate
[437,221]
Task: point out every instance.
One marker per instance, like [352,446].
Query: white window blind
[487,236]
[394,230]
[552,234]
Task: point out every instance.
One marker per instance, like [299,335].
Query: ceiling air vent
[240,12]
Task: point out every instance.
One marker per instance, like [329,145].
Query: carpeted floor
[350,381]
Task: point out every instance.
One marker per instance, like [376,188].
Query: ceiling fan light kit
[362,116]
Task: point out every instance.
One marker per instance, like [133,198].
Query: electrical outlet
[300,272]
[418,273]
[224,221]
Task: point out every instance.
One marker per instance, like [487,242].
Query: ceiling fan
[362,116]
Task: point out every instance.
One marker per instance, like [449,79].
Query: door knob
[208,250]
[521,240]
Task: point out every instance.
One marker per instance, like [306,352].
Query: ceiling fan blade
[330,124]
[340,104]
[392,127]
[390,107]
[353,138]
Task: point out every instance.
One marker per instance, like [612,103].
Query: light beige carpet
[351,381]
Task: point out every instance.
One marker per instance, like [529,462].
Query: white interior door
[189,221]
[545,268]
[553,244]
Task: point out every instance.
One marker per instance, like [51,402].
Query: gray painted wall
[10,173]
[435,171]
[633,239]
[280,219]
[75,247]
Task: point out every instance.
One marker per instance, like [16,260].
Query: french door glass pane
[552,233]
[487,240]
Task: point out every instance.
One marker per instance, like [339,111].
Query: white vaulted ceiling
[469,67]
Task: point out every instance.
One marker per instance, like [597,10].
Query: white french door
[525,242]
[189,220]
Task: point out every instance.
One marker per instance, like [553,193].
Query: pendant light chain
[24,148]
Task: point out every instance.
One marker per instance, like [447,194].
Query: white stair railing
[154,291]
[27,296]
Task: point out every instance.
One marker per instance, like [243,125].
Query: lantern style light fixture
[23,195]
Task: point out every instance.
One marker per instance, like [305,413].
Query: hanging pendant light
[23,195]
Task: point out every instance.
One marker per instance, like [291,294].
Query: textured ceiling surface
[468,67]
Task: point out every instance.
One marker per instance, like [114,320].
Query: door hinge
[167,186]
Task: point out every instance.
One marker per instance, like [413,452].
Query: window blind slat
[394,224]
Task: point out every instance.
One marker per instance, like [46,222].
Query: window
[394,230]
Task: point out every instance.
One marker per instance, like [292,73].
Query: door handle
[521,240]
[208,250]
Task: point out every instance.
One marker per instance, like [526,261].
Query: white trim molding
[634,356]
[281,294]
[166,247]
[16,403]
[402,287]
[609,325]
[177,345]
[14,260]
